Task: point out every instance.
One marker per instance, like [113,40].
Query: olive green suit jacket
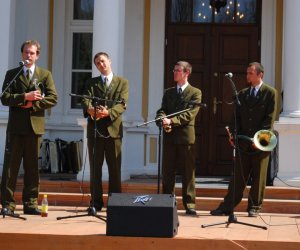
[23,121]
[183,125]
[114,97]
[256,113]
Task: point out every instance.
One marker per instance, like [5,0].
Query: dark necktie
[105,83]
[179,94]
[28,75]
[252,93]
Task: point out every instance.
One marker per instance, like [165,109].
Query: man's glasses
[177,70]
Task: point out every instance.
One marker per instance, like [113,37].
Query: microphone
[229,74]
[22,63]
[202,105]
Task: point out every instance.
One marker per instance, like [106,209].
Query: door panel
[213,51]
[233,48]
[192,44]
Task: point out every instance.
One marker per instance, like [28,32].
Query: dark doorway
[215,41]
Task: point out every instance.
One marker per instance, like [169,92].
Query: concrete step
[202,203]
[75,193]
[60,186]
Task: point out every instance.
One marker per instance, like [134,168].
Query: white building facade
[132,32]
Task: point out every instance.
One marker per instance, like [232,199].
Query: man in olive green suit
[112,94]
[29,95]
[178,144]
[256,112]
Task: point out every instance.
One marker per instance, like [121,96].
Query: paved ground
[280,227]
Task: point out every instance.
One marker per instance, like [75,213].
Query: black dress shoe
[190,211]
[93,209]
[7,211]
[219,212]
[98,209]
[253,213]
[97,205]
[32,211]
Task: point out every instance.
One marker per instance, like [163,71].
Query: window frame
[73,26]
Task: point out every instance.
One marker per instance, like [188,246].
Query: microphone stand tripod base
[4,212]
[91,211]
[232,219]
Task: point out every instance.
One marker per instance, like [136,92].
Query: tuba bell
[264,140]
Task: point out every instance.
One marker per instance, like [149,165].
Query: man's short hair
[258,67]
[32,42]
[100,54]
[185,65]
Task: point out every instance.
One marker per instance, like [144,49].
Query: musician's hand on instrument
[90,111]
[231,141]
[166,122]
[27,105]
[103,111]
[254,146]
[33,96]
[230,137]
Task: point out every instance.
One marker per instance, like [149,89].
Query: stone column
[6,43]
[108,32]
[288,125]
[108,36]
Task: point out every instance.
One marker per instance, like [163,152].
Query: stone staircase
[75,193]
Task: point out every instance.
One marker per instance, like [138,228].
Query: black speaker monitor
[145,215]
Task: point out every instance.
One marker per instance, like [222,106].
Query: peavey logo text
[142,199]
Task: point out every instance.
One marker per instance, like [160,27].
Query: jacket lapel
[22,79]
[112,87]
[99,85]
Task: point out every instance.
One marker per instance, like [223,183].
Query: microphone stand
[159,121]
[232,218]
[11,82]
[91,211]
[4,211]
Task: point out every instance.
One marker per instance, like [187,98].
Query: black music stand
[232,218]
[91,211]
[158,121]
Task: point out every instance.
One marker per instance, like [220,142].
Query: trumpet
[264,140]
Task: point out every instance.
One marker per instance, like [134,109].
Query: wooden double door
[213,50]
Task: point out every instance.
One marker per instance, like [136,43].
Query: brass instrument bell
[264,140]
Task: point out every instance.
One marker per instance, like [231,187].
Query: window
[213,11]
[83,10]
[82,44]
[81,64]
